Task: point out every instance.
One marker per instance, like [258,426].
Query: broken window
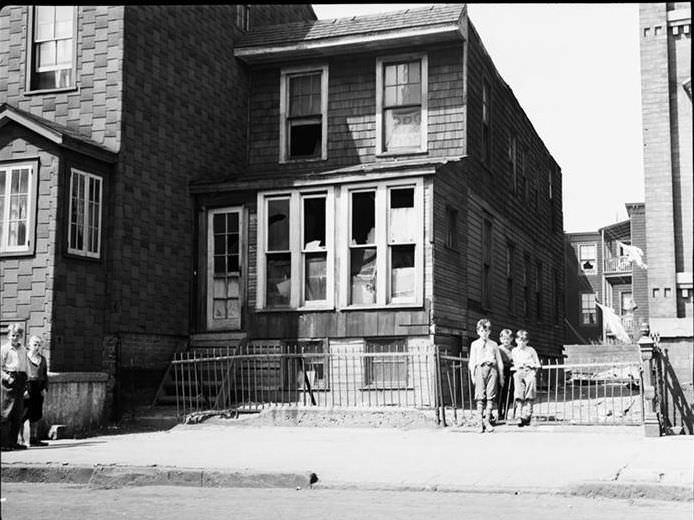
[314,248]
[587,258]
[305,118]
[362,248]
[279,272]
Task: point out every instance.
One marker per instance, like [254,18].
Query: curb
[115,476]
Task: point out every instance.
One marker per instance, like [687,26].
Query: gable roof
[341,35]
[55,132]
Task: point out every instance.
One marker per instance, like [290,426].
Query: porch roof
[357,173]
[439,22]
[55,132]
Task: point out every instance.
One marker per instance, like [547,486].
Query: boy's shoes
[38,443]
[526,421]
[480,428]
[520,422]
[488,426]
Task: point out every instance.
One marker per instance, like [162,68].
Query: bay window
[17,208]
[295,260]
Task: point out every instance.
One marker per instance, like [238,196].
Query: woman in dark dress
[37,381]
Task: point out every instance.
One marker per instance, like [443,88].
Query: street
[60,501]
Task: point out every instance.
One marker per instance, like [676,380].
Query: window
[627,304]
[510,254]
[522,185]
[486,132]
[307,365]
[84,231]
[451,228]
[385,237]
[401,104]
[538,291]
[588,314]
[17,208]
[295,235]
[486,263]
[587,258]
[243,16]
[303,113]
[512,161]
[383,369]
[53,48]
[526,286]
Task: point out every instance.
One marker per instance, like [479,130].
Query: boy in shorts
[525,365]
[487,370]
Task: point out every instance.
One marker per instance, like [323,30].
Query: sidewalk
[617,462]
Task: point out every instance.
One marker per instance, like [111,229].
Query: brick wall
[639,277]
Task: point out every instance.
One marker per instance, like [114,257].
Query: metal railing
[254,378]
[618,264]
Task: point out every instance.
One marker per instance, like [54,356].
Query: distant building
[598,269]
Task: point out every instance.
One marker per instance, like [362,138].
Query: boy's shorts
[486,377]
[524,384]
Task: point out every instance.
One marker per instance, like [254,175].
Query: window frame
[579,247]
[585,313]
[513,161]
[381,62]
[242,17]
[84,251]
[382,243]
[29,247]
[31,54]
[486,123]
[287,73]
[395,345]
[296,250]
[452,242]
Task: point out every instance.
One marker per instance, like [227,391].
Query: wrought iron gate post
[647,348]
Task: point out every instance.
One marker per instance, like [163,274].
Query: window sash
[17,212]
[84,229]
[53,38]
[401,104]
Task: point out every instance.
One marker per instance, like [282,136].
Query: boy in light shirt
[487,370]
[525,365]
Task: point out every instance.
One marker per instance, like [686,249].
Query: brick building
[665,36]
[599,269]
[387,161]
[106,114]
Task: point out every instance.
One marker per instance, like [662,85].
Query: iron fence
[257,377]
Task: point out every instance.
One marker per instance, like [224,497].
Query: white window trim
[30,247]
[423,57]
[85,252]
[297,297]
[285,73]
[383,279]
[31,43]
[580,260]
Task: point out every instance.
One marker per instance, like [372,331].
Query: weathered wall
[76,400]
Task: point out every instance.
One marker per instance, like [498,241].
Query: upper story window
[538,291]
[295,264]
[304,113]
[243,17]
[588,313]
[588,258]
[550,192]
[53,48]
[486,123]
[401,104]
[17,208]
[513,161]
[84,231]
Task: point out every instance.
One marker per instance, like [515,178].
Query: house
[395,192]
[599,268]
[106,114]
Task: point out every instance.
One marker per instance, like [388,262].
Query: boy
[525,365]
[13,363]
[505,340]
[37,381]
[486,368]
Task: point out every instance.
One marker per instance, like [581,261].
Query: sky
[575,70]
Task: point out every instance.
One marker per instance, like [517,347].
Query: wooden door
[224,268]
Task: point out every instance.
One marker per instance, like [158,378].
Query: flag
[614,324]
[633,254]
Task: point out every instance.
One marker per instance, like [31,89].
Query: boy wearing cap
[486,368]
[525,365]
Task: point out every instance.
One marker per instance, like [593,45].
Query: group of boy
[491,366]
[24,380]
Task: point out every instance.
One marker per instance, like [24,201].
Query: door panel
[224,269]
